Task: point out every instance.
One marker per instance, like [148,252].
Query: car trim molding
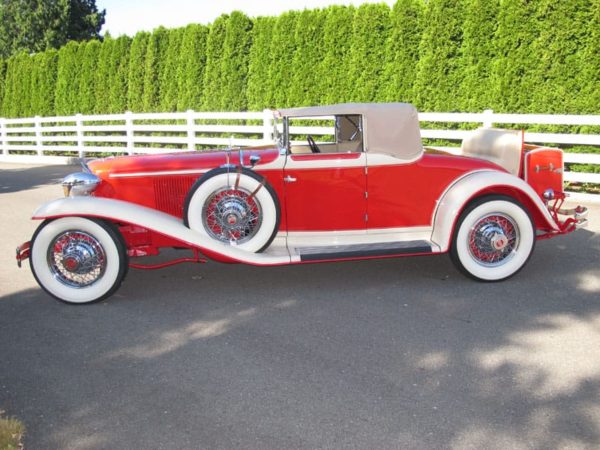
[158,173]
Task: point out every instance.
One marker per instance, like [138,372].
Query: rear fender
[156,221]
[479,183]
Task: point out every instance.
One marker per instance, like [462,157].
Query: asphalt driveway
[403,353]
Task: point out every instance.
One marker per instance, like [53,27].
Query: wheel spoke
[493,239]
[232,215]
[76,259]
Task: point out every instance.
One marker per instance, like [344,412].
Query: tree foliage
[283,46]
[514,62]
[137,71]
[192,61]
[37,25]
[403,50]
[477,54]
[213,74]
[87,77]
[17,93]
[2,83]
[443,55]
[67,80]
[588,79]
[562,33]
[169,87]
[368,51]
[234,64]
[155,56]
[103,75]
[43,81]
[118,79]
[259,83]
[307,57]
[437,85]
[335,84]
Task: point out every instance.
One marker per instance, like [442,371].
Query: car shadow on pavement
[400,353]
[23,178]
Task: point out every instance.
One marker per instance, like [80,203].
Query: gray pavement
[403,353]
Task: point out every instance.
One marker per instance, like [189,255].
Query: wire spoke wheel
[493,239]
[234,207]
[232,215]
[76,259]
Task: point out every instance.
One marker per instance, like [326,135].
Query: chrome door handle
[289,179]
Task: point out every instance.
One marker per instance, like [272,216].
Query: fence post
[488,118]
[267,126]
[37,123]
[191,132]
[4,135]
[80,142]
[129,131]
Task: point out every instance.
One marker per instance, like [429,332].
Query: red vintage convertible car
[371,192]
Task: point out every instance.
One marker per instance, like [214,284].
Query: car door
[325,192]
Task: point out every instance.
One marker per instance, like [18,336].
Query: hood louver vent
[170,193]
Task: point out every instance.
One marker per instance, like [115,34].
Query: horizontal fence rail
[62,139]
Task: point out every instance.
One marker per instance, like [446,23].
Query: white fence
[61,139]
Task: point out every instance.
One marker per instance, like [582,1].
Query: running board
[363,250]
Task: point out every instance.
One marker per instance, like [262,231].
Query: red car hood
[178,161]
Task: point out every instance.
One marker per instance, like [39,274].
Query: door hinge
[366,195]
[366,217]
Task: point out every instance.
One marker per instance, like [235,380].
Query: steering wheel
[313,145]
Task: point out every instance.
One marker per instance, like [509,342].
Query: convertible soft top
[389,128]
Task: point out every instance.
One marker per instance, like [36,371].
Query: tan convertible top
[389,128]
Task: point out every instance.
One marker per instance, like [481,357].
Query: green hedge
[521,56]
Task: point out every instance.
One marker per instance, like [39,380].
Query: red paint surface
[321,199]
[325,198]
[406,195]
[545,178]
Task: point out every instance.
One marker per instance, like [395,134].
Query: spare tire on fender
[235,206]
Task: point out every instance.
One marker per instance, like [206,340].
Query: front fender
[130,213]
[459,194]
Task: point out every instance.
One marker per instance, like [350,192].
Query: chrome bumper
[579,214]
[23,252]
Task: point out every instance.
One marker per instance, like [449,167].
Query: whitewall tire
[78,260]
[234,206]
[493,239]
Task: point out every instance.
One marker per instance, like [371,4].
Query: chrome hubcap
[231,215]
[76,259]
[493,240]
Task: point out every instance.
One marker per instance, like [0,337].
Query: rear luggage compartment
[543,168]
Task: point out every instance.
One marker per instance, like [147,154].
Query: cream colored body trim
[156,221]
[280,162]
[453,201]
[365,159]
[278,252]
[326,162]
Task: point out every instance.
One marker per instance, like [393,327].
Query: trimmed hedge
[521,56]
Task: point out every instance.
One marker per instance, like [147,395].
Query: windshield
[279,132]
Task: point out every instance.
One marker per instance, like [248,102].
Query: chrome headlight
[77,184]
